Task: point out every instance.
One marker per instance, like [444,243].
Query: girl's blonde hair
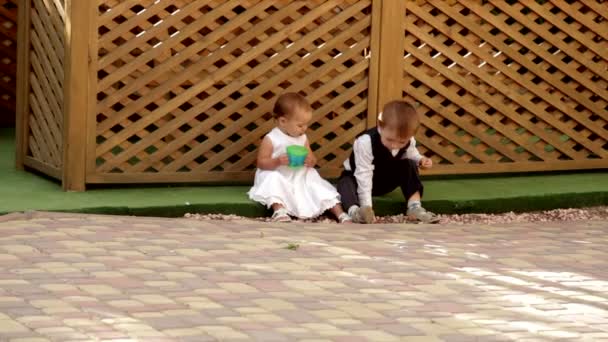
[287,104]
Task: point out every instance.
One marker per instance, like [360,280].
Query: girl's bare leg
[279,213]
[337,210]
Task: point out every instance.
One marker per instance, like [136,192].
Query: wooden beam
[91,111]
[374,64]
[43,167]
[544,166]
[23,86]
[76,94]
[171,177]
[390,59]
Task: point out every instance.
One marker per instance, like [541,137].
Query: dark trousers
[403,175]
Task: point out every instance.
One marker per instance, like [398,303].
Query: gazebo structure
[148,91]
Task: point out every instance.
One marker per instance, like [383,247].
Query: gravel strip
[593,213]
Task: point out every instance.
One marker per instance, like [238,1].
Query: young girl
[299,192]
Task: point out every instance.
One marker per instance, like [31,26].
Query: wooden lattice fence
[40,126]
[509,85]
[184,89]
[181,91]
[8,61]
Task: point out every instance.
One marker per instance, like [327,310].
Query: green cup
[296,154]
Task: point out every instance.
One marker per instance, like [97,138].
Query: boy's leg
[347,188]
[417,212]
[412,190]
[409,180]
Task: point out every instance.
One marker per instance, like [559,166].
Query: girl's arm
[265,160]
[311,160]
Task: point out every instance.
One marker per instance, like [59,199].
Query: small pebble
[593,213]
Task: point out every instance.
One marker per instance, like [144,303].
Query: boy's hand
[310,160]
[282,160]
[425,163]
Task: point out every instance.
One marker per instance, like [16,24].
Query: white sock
[412,204]
[352,210]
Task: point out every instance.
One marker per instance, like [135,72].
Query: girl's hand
[425,163]
[310,160]
[282,160]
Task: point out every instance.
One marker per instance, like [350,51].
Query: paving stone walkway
[96,278]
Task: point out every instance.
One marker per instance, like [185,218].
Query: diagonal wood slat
[313,136]
[265,87]
[295,38]
[45,122]
[485,57]
[223,72]
[572,71]
[198,67]
[468,86]
[536,89]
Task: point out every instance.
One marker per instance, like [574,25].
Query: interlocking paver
[86,277]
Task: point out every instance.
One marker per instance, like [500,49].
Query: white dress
[301,190]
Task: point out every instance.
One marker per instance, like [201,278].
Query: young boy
[384,158]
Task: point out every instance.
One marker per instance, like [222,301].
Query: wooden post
[23,83]
[374,64]
[76,94]
[91,112]
[387,54]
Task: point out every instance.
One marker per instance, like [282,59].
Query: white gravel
[593,213]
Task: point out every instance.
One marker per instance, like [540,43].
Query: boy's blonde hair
[288,103]
[401,116]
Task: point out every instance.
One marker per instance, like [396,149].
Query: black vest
[384,161]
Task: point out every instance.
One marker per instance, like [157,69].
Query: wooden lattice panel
[8,60]
[46,81]
[186,87]
[509,85]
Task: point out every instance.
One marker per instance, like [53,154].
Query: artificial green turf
[23,191]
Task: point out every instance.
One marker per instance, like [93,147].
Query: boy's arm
[364,169]
[265,160]
[413,153]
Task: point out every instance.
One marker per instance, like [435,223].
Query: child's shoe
[345,218]
[363,214]
[281,215]
[420,214]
